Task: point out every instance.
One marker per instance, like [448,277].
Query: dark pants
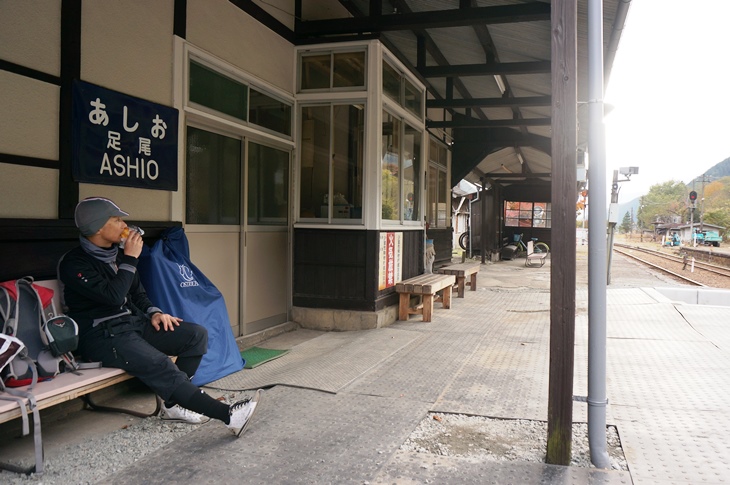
[133,344]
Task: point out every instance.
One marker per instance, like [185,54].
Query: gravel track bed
[705,277]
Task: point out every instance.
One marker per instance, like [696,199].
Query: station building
[308,148]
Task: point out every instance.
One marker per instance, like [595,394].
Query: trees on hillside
[665,203]
[625,224]
[668,202]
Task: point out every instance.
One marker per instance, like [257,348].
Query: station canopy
[485,63]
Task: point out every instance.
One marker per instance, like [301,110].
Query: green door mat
[256,356]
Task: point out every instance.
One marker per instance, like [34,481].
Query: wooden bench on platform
[33,247]
[62,388]
[67,386]
[426,286]
[461,271]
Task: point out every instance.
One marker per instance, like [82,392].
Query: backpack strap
[20,397]
[5,304]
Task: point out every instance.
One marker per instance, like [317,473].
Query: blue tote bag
[179,288]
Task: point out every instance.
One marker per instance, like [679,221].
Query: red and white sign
[390,261]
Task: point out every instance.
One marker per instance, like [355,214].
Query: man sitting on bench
[120,327]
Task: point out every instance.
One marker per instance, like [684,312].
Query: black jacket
[94,292]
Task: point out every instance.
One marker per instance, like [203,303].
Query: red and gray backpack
[27,313]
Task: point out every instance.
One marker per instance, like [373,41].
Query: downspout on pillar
[597,244]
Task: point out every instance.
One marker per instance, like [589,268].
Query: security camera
[628,170]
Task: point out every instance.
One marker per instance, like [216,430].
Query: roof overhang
[485,63]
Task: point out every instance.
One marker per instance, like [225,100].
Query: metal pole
[597,262]
[483,222]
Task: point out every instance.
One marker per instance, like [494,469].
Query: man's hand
[167,322]
[133,246]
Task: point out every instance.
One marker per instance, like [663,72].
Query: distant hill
[717,171]
[625,207]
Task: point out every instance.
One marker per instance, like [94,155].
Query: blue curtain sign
[122,140]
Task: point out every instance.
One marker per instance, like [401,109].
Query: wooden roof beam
[496,69]
[502,14]
[490,102]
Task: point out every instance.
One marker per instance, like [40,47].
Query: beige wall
[267,278]
[216,254]
[28,192]
[30,34]
[128,46]
[225,31]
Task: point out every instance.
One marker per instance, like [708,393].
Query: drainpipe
[597,244]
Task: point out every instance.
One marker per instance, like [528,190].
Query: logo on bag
[187,275]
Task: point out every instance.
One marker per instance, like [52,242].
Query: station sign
[119,139]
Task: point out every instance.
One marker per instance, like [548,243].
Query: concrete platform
[668,389]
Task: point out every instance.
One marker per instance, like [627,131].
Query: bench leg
[473,282]
[404,305]
[460,283]
[446,296]
[96,407]
[428,307]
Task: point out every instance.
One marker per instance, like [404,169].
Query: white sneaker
[241,414]
[180,414]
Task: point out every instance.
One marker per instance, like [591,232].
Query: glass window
[213,90]
[315,147]
[436,213]
[527,214]
[401,90]
[413,98]
[401,170]
[443,205]
[432,205]
[328,70]
[268,185]
[349,70]
[213,178]
[411,163]
[332,173]
[315,71]
[347,160]
[391,82]
[270,113]
[391,167]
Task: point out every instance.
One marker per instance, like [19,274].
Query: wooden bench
[426,286]
[62,388]
[533,258]
[461,271]
[67,386]
[33,247]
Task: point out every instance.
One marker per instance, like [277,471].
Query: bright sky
[670,88]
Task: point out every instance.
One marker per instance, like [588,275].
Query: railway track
[628,252]
[679,266]
[713,268]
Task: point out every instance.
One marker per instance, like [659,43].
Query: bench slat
[65,387]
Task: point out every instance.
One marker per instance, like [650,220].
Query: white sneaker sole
[255,399]
[177,420]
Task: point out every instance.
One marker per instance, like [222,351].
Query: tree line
[669,202]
